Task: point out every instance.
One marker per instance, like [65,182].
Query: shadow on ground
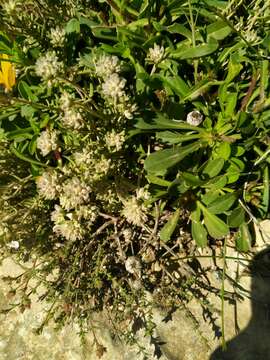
[252,343]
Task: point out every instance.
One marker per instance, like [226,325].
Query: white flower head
[47,142]
[156,54]
[142,194]
[194,118]
[14,245]
[102,166]
[134,212]
[57,36]
[89,213]
[114,140]
[48,67]
[133,265]
[106,65]
[75,192]
[84,157]
[48,184]
[65,101]
[11,6]
[69,229]
[72,119]
[113,87]
[58,215]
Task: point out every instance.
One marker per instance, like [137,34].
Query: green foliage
[136,122]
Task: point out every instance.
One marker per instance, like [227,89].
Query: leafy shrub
[134,126]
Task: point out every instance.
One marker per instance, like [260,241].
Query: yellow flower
[7,73]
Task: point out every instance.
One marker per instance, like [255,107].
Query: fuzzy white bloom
[57,36]
[102,166]
[48,67]
[84,157]
[89,213]
[106,65]
[129,111]
[133,265]
[115,140]
[65,101]
[14,245]
[48,185]
[58,215]
[75,192]
[142,194]
[134,212]
[47,142]
[156,54]
[113,87]
[11,6]
[194,118]
[69,229]
[72,119]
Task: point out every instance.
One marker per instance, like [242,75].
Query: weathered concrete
[191,334]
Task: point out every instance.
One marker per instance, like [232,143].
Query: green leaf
[159,162]
[20,134]
[157,181]
[218,30]
[222,203]
[199,89]
[244,239]
[195,52]
[237,217]
[265,199]
[215,226]
[23,157]
[199,234]
[26,92]
[168,229]
[161,122]
[191,179]
[175,137]
[213,167]
[73,26]
[223,151]
[176,84]
[27,111]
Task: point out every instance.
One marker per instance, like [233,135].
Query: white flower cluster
[57,36]
[71,117]
[102,166]
[14,245]
[194,118]
[48,67]
[69,228]
[74,193]
[84,157]
[133,265]
[47,142]
[11,6]
[113,87]
[106,65]
[114,140]
[68,224]
[156,54]
[89,213]
[133,211]
[48,184]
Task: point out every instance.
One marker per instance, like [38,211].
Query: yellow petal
[8,73]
